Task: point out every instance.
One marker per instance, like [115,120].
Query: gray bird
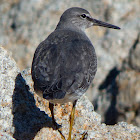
[65,63]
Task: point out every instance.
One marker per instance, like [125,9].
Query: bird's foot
[56,126]
[84,135]
[62,136]
[59,128]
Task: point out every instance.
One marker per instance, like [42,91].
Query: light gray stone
[8,72]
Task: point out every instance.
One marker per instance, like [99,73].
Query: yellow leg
[51,106]
[71,120]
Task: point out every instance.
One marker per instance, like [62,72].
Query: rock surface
[25,116]
[134,57]
[8,72]
[22,29]
[128,82]
[119,93]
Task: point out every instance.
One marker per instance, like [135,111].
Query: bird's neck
[67,26]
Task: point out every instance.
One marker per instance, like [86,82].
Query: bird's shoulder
[64,39]
[64,46]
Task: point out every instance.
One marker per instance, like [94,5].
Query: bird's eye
[83,16]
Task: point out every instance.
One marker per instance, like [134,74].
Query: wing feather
[64,64]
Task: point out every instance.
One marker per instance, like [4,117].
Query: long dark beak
[101,23]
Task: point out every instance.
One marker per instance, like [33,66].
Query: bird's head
[81,19]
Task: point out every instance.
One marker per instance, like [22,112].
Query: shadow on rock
[28,119]
[109,84]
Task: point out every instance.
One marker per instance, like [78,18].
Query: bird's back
[64,65]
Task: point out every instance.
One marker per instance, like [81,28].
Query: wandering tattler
[65,63]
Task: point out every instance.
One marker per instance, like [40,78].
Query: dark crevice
[109,79]
[109,84]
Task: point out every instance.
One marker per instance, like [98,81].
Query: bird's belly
[69,97]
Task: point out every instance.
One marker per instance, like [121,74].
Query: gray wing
[63,66]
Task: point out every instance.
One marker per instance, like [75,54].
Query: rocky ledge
[25,116]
